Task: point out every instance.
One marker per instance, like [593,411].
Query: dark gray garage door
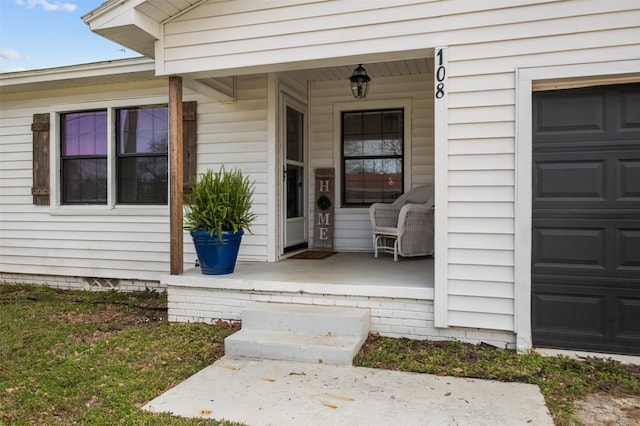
[586,219]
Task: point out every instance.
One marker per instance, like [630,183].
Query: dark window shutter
[40,189]
[189,135]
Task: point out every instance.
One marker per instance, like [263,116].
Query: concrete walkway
[265,392]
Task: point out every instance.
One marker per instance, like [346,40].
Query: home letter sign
[323,235]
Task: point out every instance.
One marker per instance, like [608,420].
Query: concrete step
[302,333]
[334,350]
[306,319]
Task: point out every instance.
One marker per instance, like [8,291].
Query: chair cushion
[385,230]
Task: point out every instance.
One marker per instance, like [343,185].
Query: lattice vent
[102,283]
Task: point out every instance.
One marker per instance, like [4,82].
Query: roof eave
[22,81]
[120,22]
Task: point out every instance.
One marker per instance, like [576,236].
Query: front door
[294,175]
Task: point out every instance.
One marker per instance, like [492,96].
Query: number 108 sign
[440,74]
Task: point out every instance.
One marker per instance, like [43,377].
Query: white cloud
[11,54]
[48,6]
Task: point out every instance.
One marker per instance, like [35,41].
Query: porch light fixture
[359,82]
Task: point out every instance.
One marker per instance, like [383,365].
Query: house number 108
[441,72]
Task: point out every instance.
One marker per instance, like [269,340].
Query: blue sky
[36,34]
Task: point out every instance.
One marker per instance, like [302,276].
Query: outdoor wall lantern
[359,82]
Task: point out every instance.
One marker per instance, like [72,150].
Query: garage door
[586,219]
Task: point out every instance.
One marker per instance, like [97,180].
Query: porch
[399,295]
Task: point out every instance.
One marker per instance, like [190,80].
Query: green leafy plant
[220,201]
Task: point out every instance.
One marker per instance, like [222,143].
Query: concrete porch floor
[348,274]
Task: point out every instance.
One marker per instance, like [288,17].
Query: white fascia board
[109,12]
[95,69]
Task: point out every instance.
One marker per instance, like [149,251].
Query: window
[84,157]
[372,155]
[141,156]
[142,144]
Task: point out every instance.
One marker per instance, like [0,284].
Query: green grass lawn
[72,357]
[94,358]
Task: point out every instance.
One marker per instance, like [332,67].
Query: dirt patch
[608,410]
[112,316]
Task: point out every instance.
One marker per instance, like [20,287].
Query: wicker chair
[404,227]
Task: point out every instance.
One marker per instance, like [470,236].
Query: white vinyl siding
[85,241]
[482,148]
[247,33]
[127,242]
[235,134]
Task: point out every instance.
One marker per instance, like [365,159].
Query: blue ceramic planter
[217,257]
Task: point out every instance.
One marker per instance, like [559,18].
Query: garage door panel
[587,117]
[629,180]
[587,180]
[570,313]
[570,179]
[581,250]
[628,249]
[578,115]
[627,324]
[576,316]
[586,246]
[629,110]
[586,219]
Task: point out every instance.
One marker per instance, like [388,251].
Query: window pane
[295,135]
[372,147]
[84,133]
[353,146]
[295,191]
[352,123]
[354,181]
[371,122]
[84,181]
[392,145]
[143,130]
[142,180]
[388,179]
[392,121]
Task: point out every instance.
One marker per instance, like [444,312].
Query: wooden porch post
[175,175]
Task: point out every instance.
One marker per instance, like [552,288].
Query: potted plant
[217,212]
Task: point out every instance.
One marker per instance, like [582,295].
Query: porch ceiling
[141,69]
[374,70]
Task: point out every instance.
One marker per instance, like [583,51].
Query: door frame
[529,80]
[287,98]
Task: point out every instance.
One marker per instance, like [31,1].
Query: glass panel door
[294,170]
